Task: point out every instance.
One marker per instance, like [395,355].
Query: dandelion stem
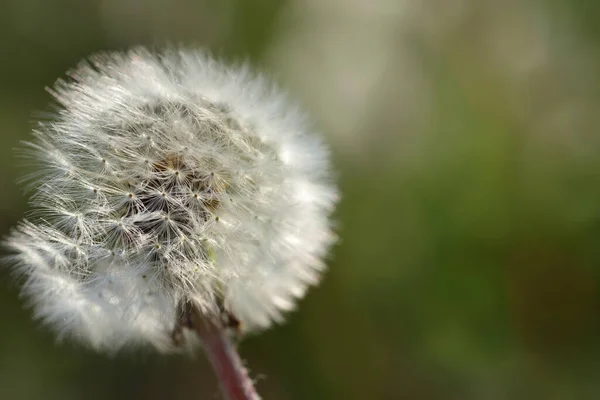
[222,354]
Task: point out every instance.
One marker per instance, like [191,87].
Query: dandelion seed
[212,192]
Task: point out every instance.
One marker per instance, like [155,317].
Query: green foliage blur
[469,259]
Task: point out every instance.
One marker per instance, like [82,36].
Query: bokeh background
[466,138]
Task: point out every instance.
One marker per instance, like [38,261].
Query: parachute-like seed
[170,179]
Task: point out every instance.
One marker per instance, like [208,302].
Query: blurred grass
[470,273]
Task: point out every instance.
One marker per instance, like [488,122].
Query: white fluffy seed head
[169,179]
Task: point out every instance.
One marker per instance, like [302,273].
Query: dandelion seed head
[169,179]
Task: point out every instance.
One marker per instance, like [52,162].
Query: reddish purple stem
[232,375]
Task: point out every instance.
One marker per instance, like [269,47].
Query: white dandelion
[169,182]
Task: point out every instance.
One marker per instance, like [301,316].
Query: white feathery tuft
[169,179]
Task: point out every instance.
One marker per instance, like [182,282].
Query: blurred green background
[465,135]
